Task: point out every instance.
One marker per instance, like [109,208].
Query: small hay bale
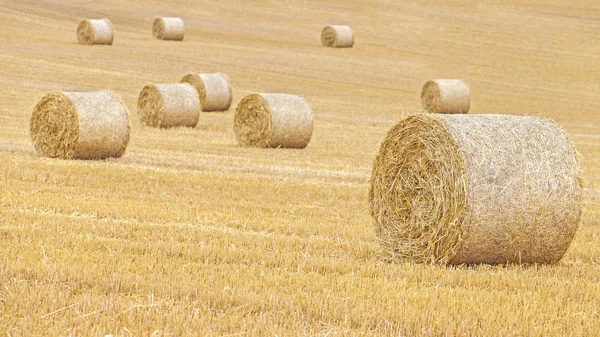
[476,189]
[95,32]
[168,29]
[446,96]
[213,89]
[273,120]
[80,125]
[169,105]
[337,36]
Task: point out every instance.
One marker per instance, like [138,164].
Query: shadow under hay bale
[337,36]
[168,29]
[169,105]
[91,32]
[446,96]
[213,89]
[273,120]
[476,189]
[80,125]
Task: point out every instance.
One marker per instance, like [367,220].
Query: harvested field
[189,233]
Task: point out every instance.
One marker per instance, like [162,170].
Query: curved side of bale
[91,32]
[168,29]
[169,105]
[337,36]
[80,125]
[273,120]
[446,96]
[476,189]
[214,90]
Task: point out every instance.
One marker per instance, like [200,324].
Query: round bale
[80,125]
[213,89]
[168,29]
[446,96]
[337,36]
[169,105]
[91,32]
[273,120]
[462,189]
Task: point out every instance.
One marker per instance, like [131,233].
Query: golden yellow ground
[190,234]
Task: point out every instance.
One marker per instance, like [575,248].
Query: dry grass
[190,233]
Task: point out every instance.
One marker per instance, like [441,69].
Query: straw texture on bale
[337,37]
[446,96]
[273,120]
[169,105]
[476,189]
[80,125]
[94,32]
[168,29]
[213,89]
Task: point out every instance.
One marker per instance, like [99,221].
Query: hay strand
[213,89]
[168,29]
[476,189]
[446,96]
[169,105]
[337,36]
[80,125]
[90,32]
[273,120]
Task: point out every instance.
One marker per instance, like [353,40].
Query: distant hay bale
[95,32]
[446,96]
[273,120]
[168,29]
[213,89]
[169,105]
[337,36]
[80,125]
[476,189]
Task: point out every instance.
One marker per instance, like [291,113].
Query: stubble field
[188,233]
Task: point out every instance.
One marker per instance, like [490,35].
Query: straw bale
[446,96]
[80,125]
[169,105]
[213,89]
[273,120]
[168,29]
[95,31]
[476,189]
[337,36]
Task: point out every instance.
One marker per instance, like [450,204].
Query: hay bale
[95,32]
[446,96]
[169,105]
[80,125]
[168,29]
[213,89]
[476,189]
[273,120]
[337,36]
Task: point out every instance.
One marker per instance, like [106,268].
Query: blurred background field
[190,234]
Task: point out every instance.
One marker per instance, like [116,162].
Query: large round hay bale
[169,105]
[95,32]
[213,89]
[476,189]
[337,36]
[168,29]
[446,96]
[80,125]
[273,120]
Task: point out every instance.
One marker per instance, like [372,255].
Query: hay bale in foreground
[80,125]
[169,105]
[476,189]
[213,89]
[95,32]
[273,120]
[168,29]
[337,36]
[446,96]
